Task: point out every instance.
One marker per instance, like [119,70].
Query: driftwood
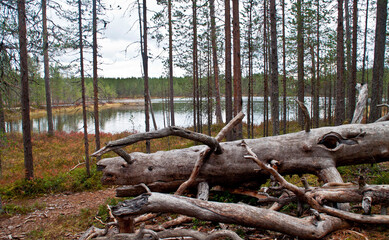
[317,152]
[240,165]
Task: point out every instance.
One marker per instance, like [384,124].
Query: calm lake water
[131,118]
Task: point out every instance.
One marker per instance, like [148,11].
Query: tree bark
[25,98]
[50,130]
[218,109]
[274,70]
[316,152]
[84,112]
[300,60]
[283,69]
[95,80]
[146,74]
[228,74]
[171,88]
[237,68]
[340,92]
[379,59]
[231,213]
[365,43]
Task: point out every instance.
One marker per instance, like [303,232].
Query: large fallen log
[317,152]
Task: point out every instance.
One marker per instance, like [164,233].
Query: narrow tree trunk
[228,76]
[84,118]
[218,108]
[265,73]
[317,92]
[194,11]
[171,88]
[237,67]
[379,59]
[50,130]
[348,75]
[146,74]
[300,60]
[353,78]
[25,98]
[340,92]
[283,69]
[330,98]
[95,81]
[274,70]
[250,124]
[365,43]
[2,116]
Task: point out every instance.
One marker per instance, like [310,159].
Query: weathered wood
[206,152]
[361,104]
[318,152]
[231,213]
[169,131]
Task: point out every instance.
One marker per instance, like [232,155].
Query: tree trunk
[365,43]
[146,73]
[300,60]
[237,67]
[195,86]
[95,80]
[25,98]
[219,118]
[274,70]
[283,69]
[84,112]
[348,75]
[316,152]
[379,59]
[50,130]
[265,73]
[171,88]
[340,92]
[240,214]
[228,74]
[316,110]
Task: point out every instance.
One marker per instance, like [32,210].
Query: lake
[132,118]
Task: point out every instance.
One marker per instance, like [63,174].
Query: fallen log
[318,152]
[306,228]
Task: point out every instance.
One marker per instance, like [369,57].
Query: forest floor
[57,216]
[68,215]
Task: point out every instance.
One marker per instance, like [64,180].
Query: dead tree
[248,164]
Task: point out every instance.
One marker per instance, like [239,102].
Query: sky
[120,47]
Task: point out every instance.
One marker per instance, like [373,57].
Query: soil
[17,226]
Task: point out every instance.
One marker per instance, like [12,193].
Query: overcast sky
[120,47]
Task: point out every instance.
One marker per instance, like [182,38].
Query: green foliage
[75,181]
[103,212]
[12,209]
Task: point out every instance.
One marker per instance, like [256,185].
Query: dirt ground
[56,205]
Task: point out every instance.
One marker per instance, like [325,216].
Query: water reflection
[131,118]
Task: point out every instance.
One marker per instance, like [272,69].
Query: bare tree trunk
[340,92]
[364,43]
[171,88]
[353,78]
[219,118]
[300,60]
[95,80]
[316,109]
[194,12]
[146,73]
[274,70]
[250,120]
[348,75]
[84,118]
[50,131]
[228,74]
[283,69]
[379,59]
[237,67]
[25,98]
[265,73]
[330,98]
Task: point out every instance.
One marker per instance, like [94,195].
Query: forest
[52,53]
